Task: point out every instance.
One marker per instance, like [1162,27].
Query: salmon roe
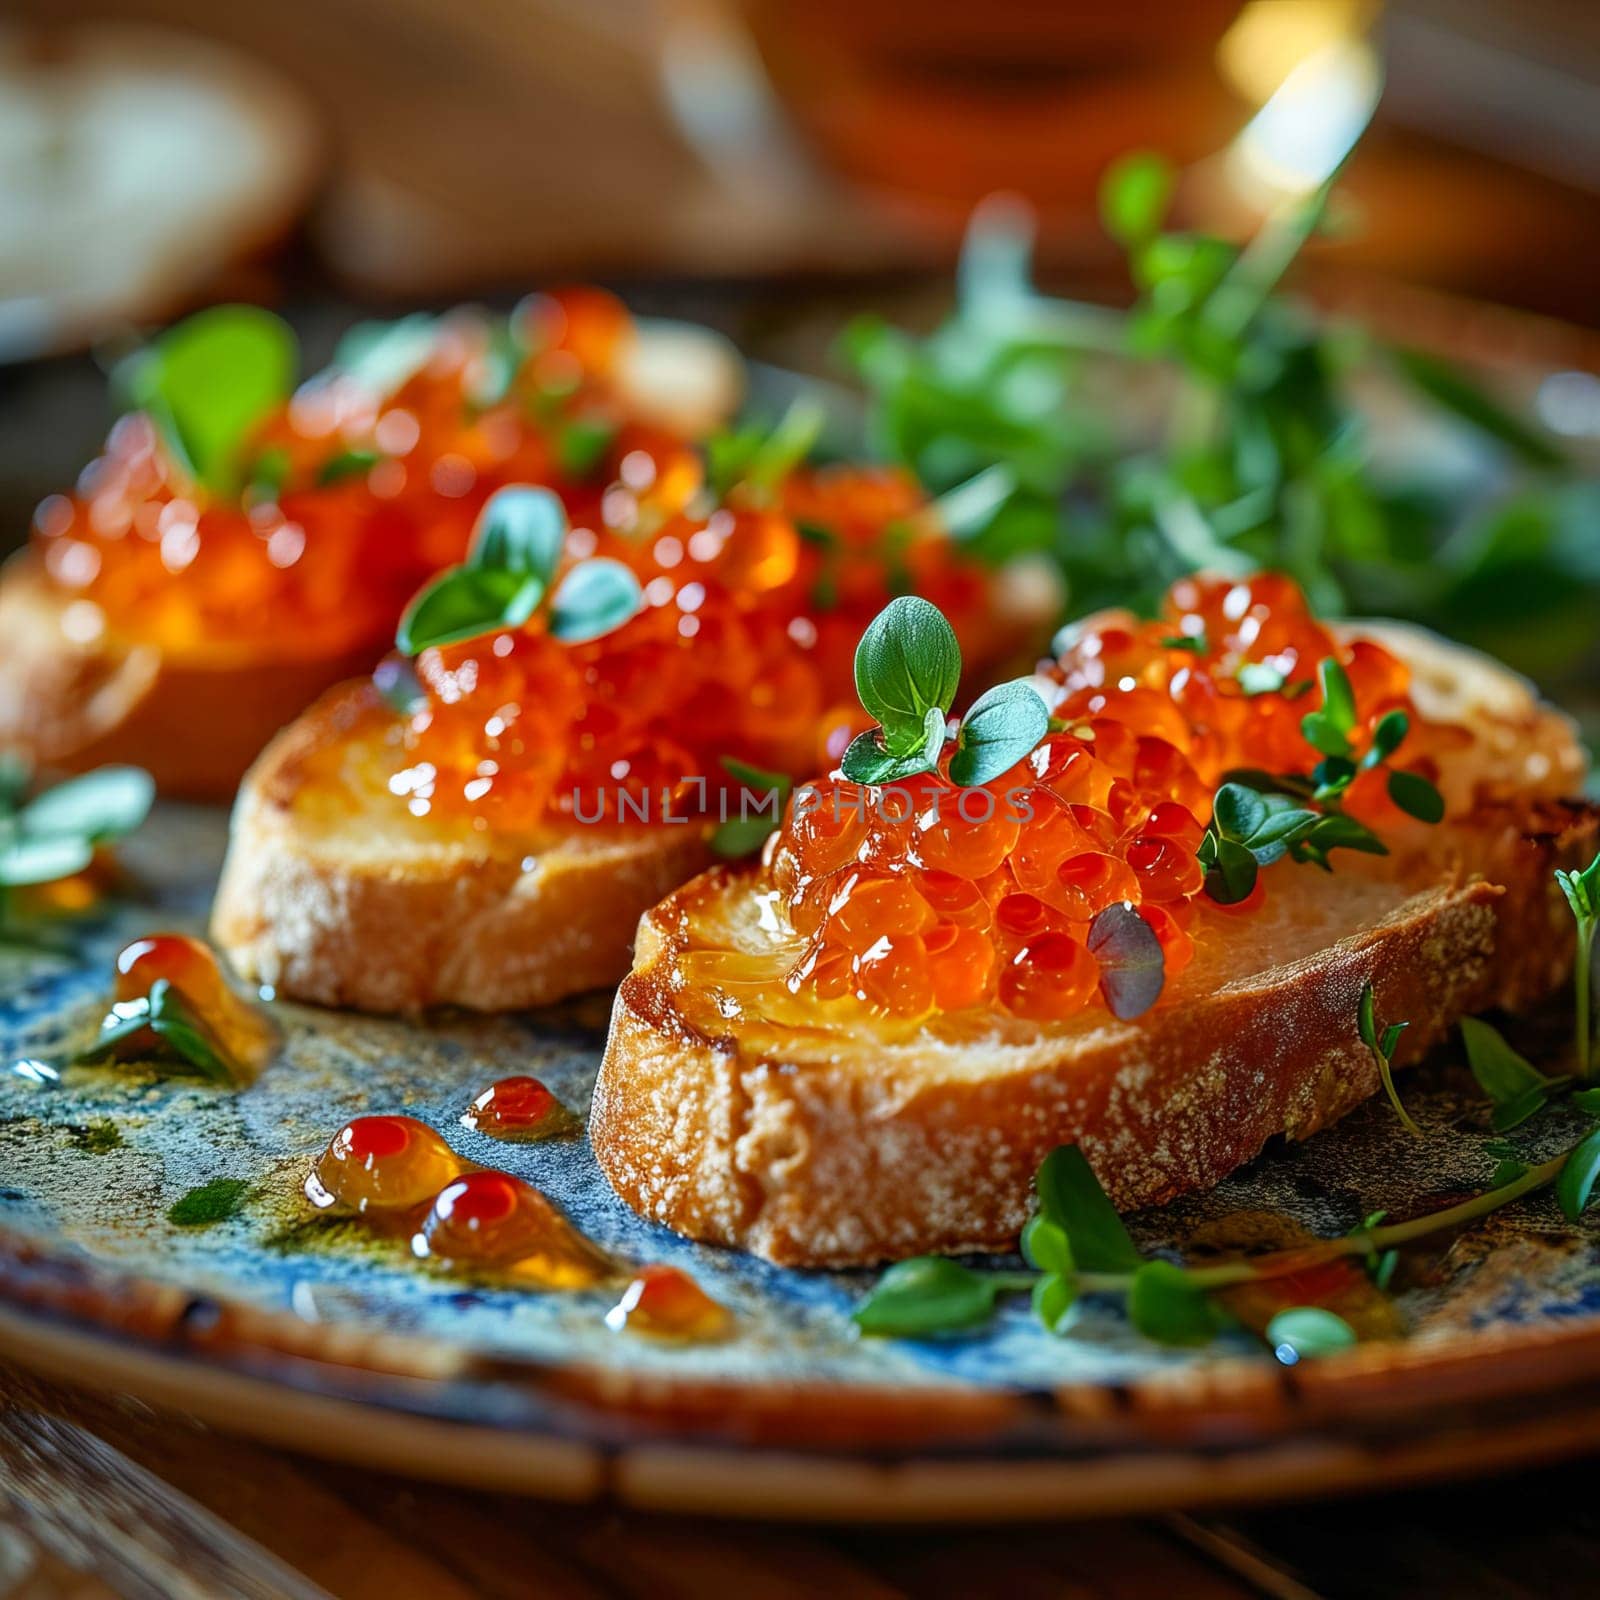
[375,492]
[743,647]
[952,898]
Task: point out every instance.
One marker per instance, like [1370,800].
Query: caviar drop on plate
[520,1111]
[382,1163]
[188,965]
[493,1221]
[666,1303]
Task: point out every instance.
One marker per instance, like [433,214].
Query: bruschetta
[242,544]
[1112,931]
[489,837]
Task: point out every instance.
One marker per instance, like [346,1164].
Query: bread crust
[329,900]
[195,721]
[810,1161]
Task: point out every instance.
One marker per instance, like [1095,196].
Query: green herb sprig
[1077,1245]
[907,669]
[162,1026]
[56,834]
[511,563]
[1382,1045]
[1582,891]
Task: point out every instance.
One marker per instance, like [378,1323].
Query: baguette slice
[843,1144]
[332,894]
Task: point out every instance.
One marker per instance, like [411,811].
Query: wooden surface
[103,1497]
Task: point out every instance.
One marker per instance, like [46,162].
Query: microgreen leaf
[928,1295]
[103,804]
[346,464]
[1164,1304]
[1231,874]
[1387,737]
[1517,1087]
[1134,195]
[1071,1197]
[1416,796]
[1328,729]
[1003,726]
[1132,963]
[25,861]
[522,530]
[1382,1048]
[384,356]
[1055,1298]
[1045,1245]
[166,1014]
[1366,1026]
[1575,1185]
[1307,1331]
[465,603]
[867,761]
[582,444]
[209,383]
[907,664]
[1582,890]
[1238,812]
[596,597]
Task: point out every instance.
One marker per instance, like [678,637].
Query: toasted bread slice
[332,894]
[74,697]
[835,1142]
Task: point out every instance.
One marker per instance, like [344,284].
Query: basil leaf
[1308,1331]
[384,356]
[1517,1087]
[1071,1197]
[465,603]
[1135,193]
[1416,796]
[1132,963]
[907,664]
[521,529]
[1164,1305]
[26,861]
[596,597]
[1002,728]
[1238,812]
[927,1295]
[1054,1300]
[103,804]
[211,381]
[1575,1184]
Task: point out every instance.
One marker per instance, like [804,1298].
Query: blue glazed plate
[276,1324]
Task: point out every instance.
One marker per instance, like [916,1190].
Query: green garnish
[1077,1245]
[907,667]
[208,1204]
[209,383]
[1516,1087]
[761,458]
[1582,891]
[1382,1047]
[515,550]
[347,464]
[56,834]
[745,834]
[162,1028]
[384,356]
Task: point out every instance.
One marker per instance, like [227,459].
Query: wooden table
[107,1496]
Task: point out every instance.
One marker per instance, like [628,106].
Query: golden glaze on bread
[333,894]
[846,1144]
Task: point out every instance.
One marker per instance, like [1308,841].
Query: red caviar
[378,491]
[667,1303]
[382,1163]
[751,612]
[955,898]
[190,967]
[519,1110]
[493,1220]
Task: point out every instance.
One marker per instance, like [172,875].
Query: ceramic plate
[278,1323]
